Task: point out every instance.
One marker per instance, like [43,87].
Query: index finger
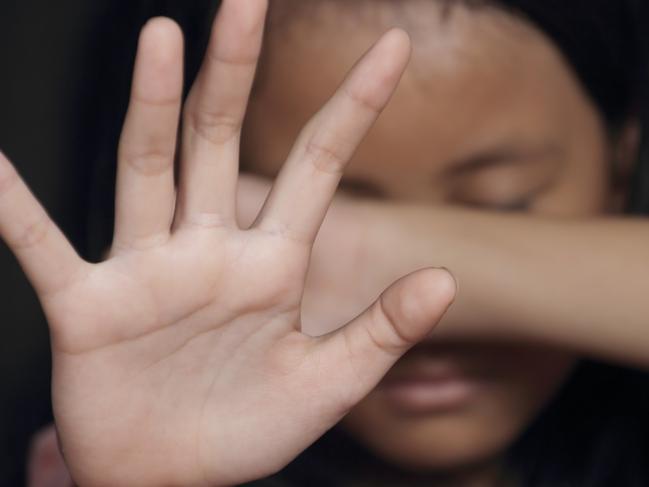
[42,250]
[308,180]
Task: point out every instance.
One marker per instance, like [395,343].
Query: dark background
[64,81]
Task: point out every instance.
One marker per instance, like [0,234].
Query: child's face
[488,115]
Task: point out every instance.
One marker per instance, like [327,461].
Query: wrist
[406,238]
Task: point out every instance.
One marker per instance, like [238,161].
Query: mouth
[429,385]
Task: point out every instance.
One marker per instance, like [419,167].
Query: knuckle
[233,59]
[148,163]
[325,157]
[387,332]
[363,100]
[33,233]
[140,243]
[283,231]
[207,221]
[217,128]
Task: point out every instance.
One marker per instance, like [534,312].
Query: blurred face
[488,115]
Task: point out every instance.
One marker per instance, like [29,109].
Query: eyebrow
[500,156]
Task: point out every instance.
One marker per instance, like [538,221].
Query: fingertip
[381,69]
[434,289]
[161,26]
[248,12]
[399,38]
[158,71]
[163,36]
[443,284]
[397,45]
[422,298]
[252,12]
[238,30]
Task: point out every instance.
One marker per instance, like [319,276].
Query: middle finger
[214,114]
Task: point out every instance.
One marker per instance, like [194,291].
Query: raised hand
[345,274]
[179,360]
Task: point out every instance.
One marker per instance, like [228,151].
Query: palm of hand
[204,363]
[179,360]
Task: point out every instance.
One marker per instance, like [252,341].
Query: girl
[512,128]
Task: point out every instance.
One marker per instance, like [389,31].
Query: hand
[346,272]
[180,360]
[46,467]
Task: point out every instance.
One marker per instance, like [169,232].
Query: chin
[431,444]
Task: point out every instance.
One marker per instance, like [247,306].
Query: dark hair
[607,44]
[596,431]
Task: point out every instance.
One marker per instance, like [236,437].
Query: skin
[46,467]
[526,209]
[508,128]
[176,359]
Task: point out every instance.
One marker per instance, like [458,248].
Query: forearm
[580,284]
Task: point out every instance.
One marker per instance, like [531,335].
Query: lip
[429,388]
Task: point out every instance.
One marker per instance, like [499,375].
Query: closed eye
[503,180]
[361,189]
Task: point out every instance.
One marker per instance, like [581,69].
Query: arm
[180,360]
[580,284]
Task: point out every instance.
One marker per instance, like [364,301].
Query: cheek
[525,383]
[518,387]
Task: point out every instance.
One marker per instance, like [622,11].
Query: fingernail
[455,278]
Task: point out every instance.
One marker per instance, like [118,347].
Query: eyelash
[361,189]
[514,207]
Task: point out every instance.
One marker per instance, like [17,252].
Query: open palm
[179,360]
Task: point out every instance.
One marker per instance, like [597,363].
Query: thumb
[362,352]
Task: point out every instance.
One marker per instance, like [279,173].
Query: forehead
[479,58]
[449,37]
[423,19]
[480,80]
